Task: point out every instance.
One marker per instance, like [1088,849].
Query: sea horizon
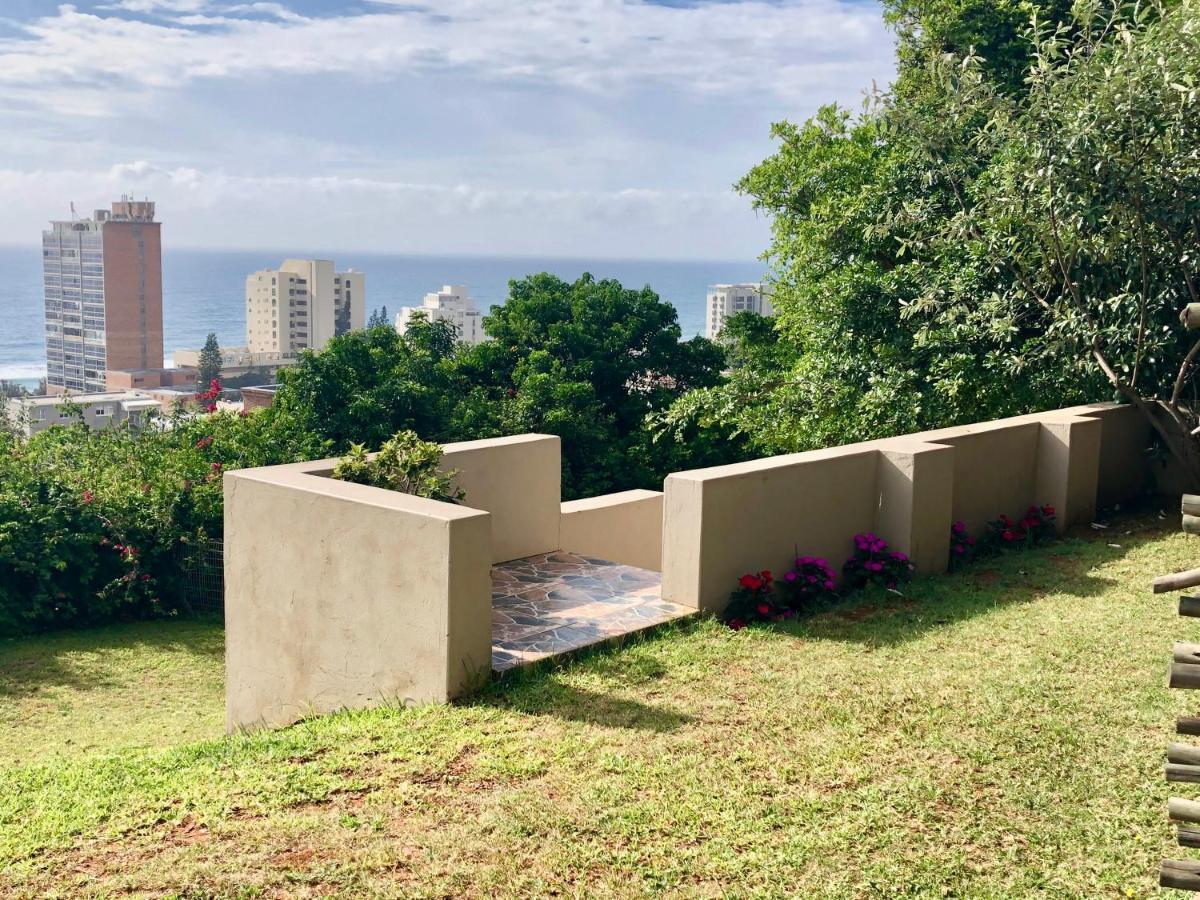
[203,289]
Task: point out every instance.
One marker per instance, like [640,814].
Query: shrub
[873,563]
[1036,527]
[962,546]
[807,585]
[404,463]
[93,523]
[754,601]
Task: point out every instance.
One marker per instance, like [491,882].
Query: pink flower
[88,496]
[958,527]
[960,549]
[790,576]
[829,585]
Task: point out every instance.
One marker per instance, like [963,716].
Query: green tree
[209,364]
[379,318]
[870,262]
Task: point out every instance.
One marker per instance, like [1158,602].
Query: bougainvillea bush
[808,585]
[873,563]
[1035,527]
[755,600]
[93,523]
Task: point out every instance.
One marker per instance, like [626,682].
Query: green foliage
[379,318]
[93,524]
[209,363]
[404,463]
[1009,228]
[588,361]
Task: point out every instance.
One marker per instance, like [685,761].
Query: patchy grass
[125,687]
[997,733]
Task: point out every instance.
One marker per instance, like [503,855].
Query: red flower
[1009,535]
[216,467]
[765,574]
[750,582]
[1048,512]
[88,496]
[763,609]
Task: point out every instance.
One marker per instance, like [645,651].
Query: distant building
[150,379]
[301,305]
[725,300]
[259,396]
[98,411]
[450,304]
[103,296]
[236,362]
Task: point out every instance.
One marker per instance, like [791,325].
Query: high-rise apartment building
[725,300]
[103,294]
[451,304]
[301,305]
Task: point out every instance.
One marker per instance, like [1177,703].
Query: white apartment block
[451,304]
[725,300]
[301,305]
[97,411]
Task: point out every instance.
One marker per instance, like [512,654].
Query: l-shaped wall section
[721,522]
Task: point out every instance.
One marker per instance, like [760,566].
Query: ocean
[203,290]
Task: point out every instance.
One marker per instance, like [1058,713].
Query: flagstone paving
[558,602]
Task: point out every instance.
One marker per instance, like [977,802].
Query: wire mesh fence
[202,576]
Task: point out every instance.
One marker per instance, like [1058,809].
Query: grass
[996,733]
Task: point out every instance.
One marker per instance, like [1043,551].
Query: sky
[585,128]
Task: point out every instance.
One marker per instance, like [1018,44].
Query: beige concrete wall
[340,595]
[721,522]
[519,481]
[1125,436]
[624,528]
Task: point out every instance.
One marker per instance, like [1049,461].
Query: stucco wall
[519,481]
[721,522]
[341,595]
[624,528]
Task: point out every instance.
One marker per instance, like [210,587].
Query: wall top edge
[292,477]
[485,443]
[904,443]
[609,500]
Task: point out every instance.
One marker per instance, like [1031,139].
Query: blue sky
[549,127]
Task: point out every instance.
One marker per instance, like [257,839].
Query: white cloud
[788,49]
[218,208]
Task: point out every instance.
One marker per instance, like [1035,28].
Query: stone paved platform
[557,602]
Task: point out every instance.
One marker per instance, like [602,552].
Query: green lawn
[998,733]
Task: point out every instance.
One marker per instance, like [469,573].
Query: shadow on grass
[883,619]
[77,659]
[544,694]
